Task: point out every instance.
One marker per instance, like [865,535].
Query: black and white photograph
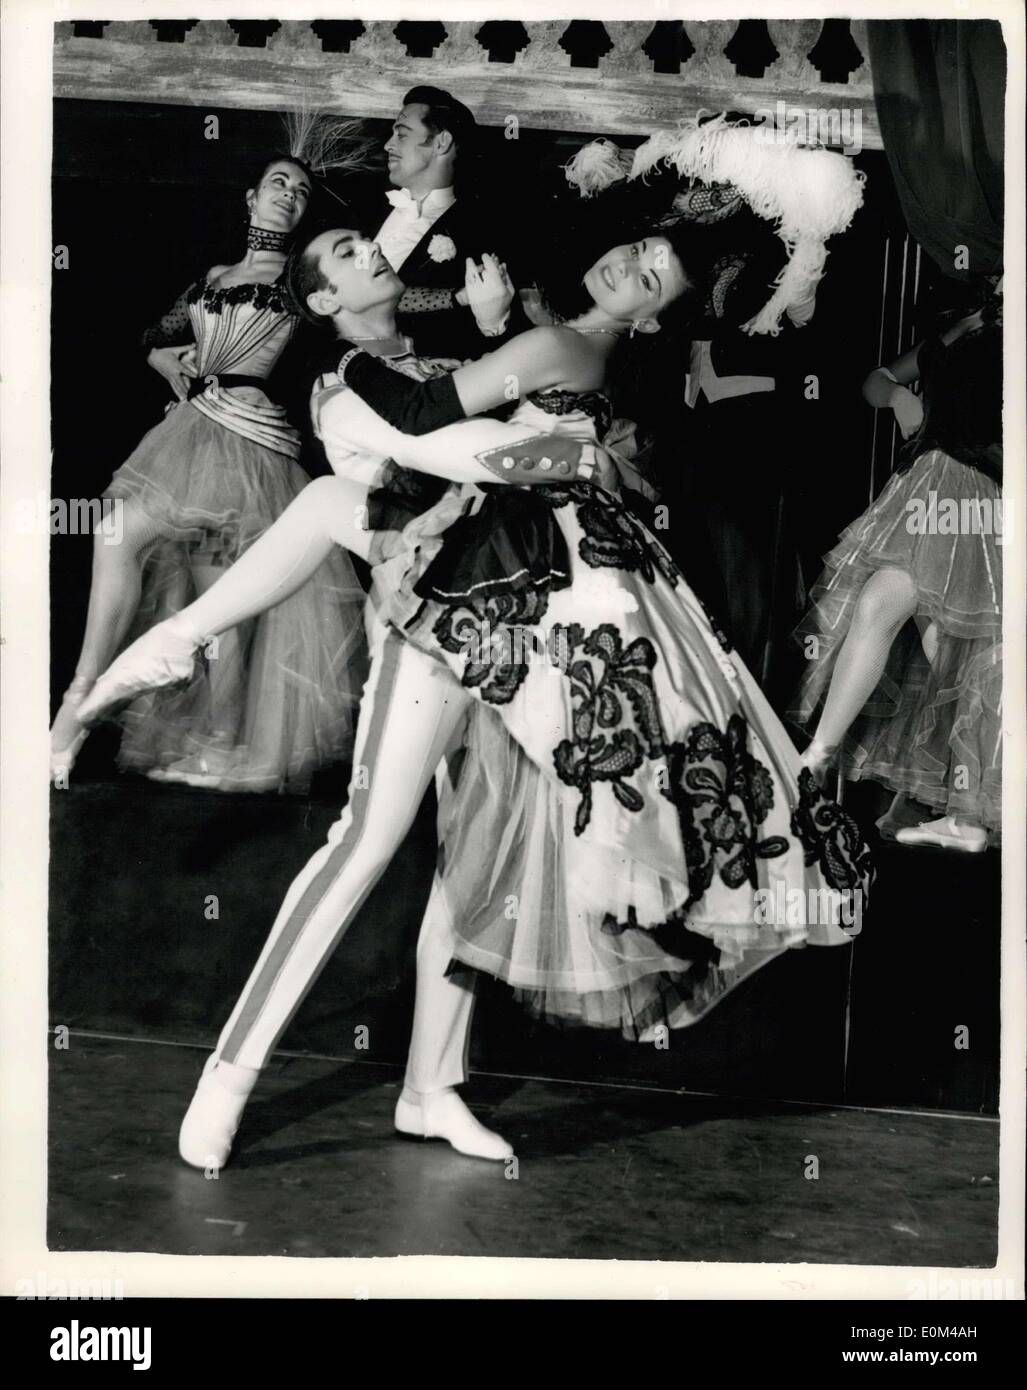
[517,527]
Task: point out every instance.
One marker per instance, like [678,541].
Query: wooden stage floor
[603,1171]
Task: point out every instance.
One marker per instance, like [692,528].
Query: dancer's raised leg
[327,512]
[887,600]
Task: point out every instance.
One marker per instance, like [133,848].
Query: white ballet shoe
[163,656]
[190,772]
[443,1115]
[62,760]
[945,833]
[208,1129]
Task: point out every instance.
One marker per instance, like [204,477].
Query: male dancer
[435,224]
[345,280]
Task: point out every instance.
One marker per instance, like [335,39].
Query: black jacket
[759,257]
[474,229]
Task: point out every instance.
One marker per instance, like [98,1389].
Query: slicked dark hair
[445,113]
[261,168]
[304,276]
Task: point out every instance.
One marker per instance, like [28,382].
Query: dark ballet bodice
[962,396]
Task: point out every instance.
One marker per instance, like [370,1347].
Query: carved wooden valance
[626,77]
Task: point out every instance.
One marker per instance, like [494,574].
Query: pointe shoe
[209,1126]
[443,1115]
[160,657]
[190,772]
[945,833]
[62,760]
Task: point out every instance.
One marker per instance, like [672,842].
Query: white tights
[328,512]
[410,714]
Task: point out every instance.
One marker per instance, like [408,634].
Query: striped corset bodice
[242,330]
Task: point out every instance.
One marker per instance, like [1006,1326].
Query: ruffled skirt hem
[932,728]
[276,697]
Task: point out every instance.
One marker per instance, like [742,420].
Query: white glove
[489,292]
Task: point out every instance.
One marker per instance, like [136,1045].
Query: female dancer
[917,706]
[275,699]
[628,813]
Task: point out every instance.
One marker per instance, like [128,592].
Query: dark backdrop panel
[144,203]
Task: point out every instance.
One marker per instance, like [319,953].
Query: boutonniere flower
[441,248]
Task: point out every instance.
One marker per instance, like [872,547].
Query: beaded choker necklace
[263,239]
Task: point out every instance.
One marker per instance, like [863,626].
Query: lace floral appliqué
[616,723]
[595,404]
[723,795]
[614,537]
[260,296]
[495,637]
[830,837]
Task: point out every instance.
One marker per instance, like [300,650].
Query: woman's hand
[908,410]
[489,292]
[176,365]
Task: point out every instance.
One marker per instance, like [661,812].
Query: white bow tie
[400,198]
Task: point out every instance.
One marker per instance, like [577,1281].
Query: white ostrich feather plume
[597,166]
[809,194]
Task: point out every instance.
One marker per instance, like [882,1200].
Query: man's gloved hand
[489,292]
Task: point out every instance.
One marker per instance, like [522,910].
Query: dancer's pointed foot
[948,832]
[820,759]
[68,732]
[443,1115]
[166,655]
[208,1129]
[197,770]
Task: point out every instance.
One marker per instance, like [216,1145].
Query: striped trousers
[411,714]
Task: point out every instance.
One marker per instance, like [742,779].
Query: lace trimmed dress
[628,836]
[932,728]
[275,698]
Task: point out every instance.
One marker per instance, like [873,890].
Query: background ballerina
[275,699]
[905,628]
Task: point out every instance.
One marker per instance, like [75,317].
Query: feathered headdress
[809,194]
[327,143]
[597,166]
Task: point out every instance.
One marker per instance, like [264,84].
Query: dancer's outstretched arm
[542,357]
[472,451]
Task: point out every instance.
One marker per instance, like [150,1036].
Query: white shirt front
[406,224]
[701,378]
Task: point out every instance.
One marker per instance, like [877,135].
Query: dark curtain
[939,88]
